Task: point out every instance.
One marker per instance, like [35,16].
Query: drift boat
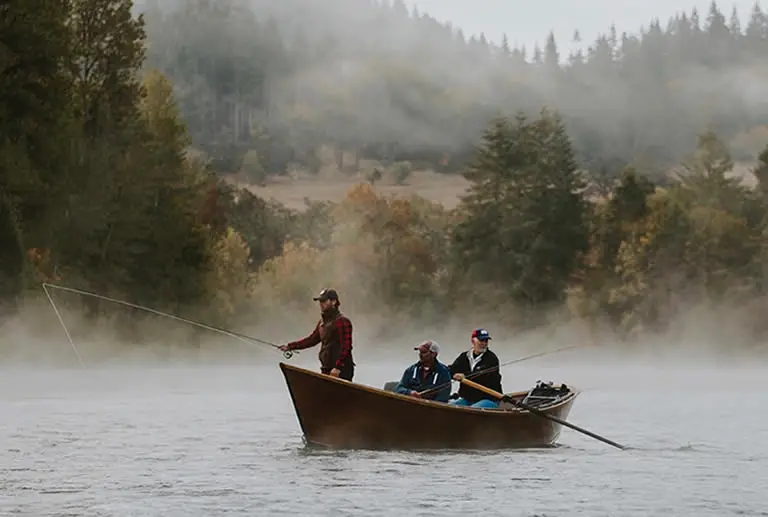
[336,413]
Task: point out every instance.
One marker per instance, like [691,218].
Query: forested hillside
[375,78]
[103,185]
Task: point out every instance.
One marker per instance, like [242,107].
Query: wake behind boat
[336,413]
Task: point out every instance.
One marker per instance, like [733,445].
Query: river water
[223,440]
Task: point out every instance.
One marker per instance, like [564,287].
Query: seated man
[426,374]
[472,361]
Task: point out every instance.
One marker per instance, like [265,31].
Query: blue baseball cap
[481,334]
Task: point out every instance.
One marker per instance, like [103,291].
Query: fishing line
[530,357]
[58,315]
[241,337]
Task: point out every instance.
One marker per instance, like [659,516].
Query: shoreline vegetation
[226,162]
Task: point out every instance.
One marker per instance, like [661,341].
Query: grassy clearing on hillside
[332,185]
[292,192]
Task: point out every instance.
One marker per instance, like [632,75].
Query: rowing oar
[287,354]
[493,368]
[538,412]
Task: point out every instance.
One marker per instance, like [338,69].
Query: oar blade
[538,412]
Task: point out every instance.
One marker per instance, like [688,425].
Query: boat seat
[390,386]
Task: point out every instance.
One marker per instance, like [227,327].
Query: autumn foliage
[526,242]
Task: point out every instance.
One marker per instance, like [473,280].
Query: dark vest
[330,341]
[490,379]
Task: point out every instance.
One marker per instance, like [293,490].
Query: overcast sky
[528,22]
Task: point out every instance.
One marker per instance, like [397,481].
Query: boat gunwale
[505,413]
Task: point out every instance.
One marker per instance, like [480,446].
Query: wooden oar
[538,412]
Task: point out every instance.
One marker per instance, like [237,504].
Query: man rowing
[334,333]
[478,358]
[425,374]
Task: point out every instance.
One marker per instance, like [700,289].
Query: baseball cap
[481,334]
[326,294]
[428,346]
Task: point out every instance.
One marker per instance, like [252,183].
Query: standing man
[334,333]
[474,360]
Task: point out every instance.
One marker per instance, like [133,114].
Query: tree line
[99,190]
[392,84]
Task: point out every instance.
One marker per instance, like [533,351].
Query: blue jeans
[483,404]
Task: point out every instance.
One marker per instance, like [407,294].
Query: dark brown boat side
[339,414]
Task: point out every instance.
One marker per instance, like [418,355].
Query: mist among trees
[375,78]
[602,185]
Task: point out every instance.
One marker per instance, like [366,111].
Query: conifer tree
[33,128]
[524,219]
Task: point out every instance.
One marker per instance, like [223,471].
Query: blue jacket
[412,381]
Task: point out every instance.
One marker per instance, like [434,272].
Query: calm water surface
[225,441]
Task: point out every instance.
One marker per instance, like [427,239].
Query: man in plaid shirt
[334,334]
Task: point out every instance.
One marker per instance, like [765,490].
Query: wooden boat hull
[340,414]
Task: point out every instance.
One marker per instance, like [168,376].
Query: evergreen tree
[107,55]
[524,222]
[33,128]
[167,250]
[761,171]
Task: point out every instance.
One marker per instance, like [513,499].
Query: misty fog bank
[701,340]
[590,373]
[392,83]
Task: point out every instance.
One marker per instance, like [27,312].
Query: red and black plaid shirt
[344,327]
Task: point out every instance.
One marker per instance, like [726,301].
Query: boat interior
[543,394]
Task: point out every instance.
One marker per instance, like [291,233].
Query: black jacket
[490,380]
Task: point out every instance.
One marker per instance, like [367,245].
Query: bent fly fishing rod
[242,337]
